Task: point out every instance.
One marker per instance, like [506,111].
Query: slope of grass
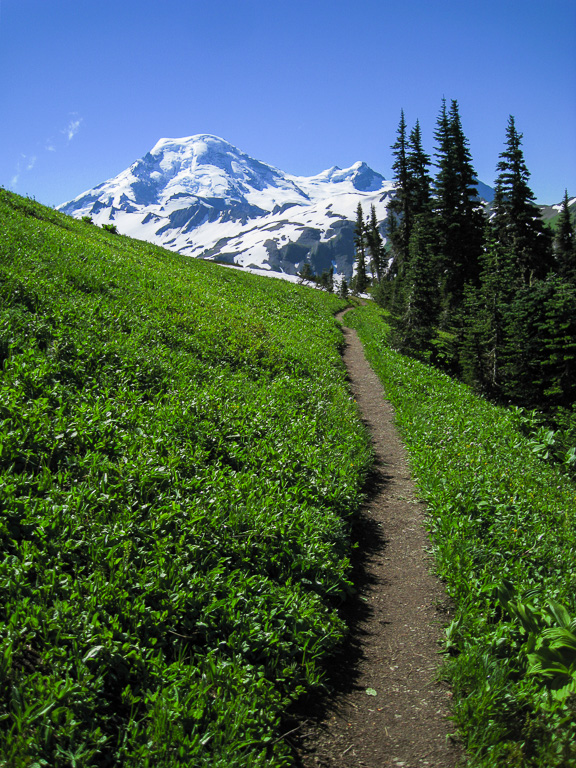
[503,522]
[178,459]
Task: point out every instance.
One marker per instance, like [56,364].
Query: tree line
[486,291]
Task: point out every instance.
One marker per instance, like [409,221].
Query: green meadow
[179,461]
[502,517]
[180,464]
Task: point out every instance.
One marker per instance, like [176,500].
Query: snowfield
[204,198]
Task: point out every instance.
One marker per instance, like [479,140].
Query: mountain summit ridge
[202,196]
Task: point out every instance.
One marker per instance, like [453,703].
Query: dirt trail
[396,622]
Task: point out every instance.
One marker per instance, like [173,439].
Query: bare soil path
[396,622]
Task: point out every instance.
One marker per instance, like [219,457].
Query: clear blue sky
[88,87]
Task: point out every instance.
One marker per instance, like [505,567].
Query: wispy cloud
[26,163]
[72,128]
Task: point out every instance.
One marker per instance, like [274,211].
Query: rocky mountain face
[205,198]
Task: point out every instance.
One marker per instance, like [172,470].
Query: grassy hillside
[503,522]
[178,459]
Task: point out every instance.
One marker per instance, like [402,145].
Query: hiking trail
[396,620]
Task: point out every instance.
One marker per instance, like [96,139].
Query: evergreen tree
[419,181]
[412,198]
[459,216]
[360,279]
[565,243]
[417,324]
[399,207]
[416,292]
[487,318]
[539,361]
[306,275]
[376,246]
[473,344]
[389,291]
[517,219]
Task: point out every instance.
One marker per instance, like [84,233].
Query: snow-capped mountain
[203,197]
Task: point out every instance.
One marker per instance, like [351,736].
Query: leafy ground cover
[179,456]
[502,520]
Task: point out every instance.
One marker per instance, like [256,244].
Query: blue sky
[88,87]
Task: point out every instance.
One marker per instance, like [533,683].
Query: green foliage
[179,456]
[411,203]
[539,355]
[459,218]
[306,274]
[501,513]
[415,326]
[487,300]
[517,219]
[376,246]
[360,280]
[565,243]
[326,281]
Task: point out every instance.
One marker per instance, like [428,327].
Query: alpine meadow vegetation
[179,461]
[502,518]
[475,343]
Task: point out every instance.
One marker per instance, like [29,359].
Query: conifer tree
[306,275]
[517,219]
[412,198]
[459,217]
[376,245]
[417,323]
[361,279]
[486,318]
[390,291]
[399,206]
[419,181]
[539,360]
[565,243]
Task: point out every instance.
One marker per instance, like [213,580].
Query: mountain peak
[361,176]
[202,146]
[202,196]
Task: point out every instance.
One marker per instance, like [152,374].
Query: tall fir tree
[412,198]
[360,278]
[416,325]
[419,181]
[517,219]
[539,360]
[486,330]
[565,243]
[375,245]
[399,207]
[459,216]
